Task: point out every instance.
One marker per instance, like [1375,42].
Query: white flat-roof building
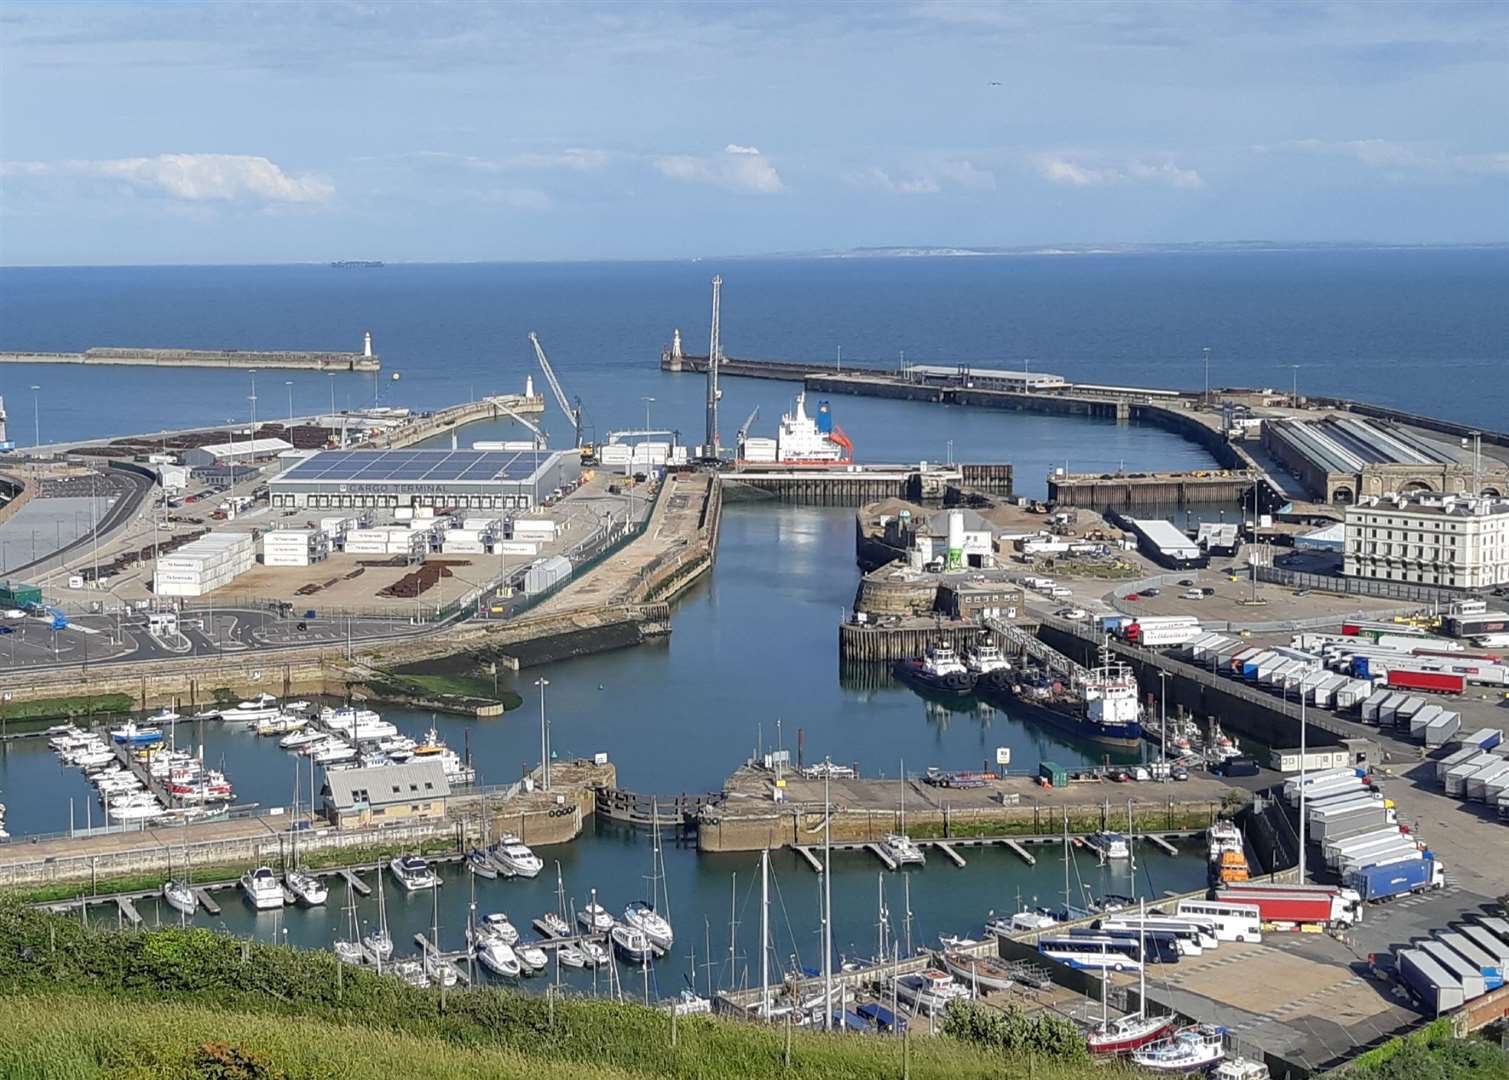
[1460,541]
[236,450]
[986,378]
[463,479]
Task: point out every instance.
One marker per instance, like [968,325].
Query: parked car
[1179,772]
[1187,582]
[1074,613]
[1132,596]
[1151,592]
[1208,591]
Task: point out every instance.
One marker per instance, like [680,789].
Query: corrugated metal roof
[385,784]
[244,447]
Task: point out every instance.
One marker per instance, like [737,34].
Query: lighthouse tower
[367,344]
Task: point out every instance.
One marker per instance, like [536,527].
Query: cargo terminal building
[464,479]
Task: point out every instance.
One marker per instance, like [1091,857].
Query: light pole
[289,383]
[1163,722]
[838,363]
[1301,789]
[36,414]
[1207,374]
[544,738]
[1294,385]
[648,401]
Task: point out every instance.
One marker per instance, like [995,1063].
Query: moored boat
[990,972]
[1191,1049]
[631,944]
[642,916]
[594,918]
[514,857]
[478,862]
[939,670]
[413,873]
[1098,705]
[498,957]
[307,889]
[1128,1033]
[180,897]
[263,891]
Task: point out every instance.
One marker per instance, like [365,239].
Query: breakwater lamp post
[544,738]
[36,414]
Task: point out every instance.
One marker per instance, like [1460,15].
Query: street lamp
[252,397]
[544,738]
[1163,722]
[289,383]
[648,401]
[36,415]
[1207,374]
[1294,385]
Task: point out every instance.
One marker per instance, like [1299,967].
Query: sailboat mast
[1141,975]
[733,915]
[906,883]
[765,933]
[827,901]
[1066,862]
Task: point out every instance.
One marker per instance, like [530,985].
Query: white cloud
[926,180]
[574,158]
[193,178]
[1396,157]
[738,168]
[1061,170]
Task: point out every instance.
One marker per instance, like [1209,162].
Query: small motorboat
[349,952]
[570,956]
[689,1003]
[263,891]
[533,959]
[496,925]
[412,972]
[440,970]
[903,850]
[989,972]
[642,915]
[1110,845]
[477,862]
[1190,1050]
[300,739]
[378,946]
[413,873]
[631,944]
[596,953]
[307,889]
[180,897]
[132,734]
[499,958]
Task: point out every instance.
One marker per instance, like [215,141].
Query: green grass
[475,686]
[84,1002]
[1431,1053]
[62,708]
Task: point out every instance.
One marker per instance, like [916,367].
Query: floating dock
[311,360]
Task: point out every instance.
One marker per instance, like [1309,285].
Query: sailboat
[898,845]
[436,967]
[349,950]
[554,924]
[379,943]
[648,916]
[1128,1033]
[180,894]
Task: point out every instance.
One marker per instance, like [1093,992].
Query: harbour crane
[539,436]
[571,407]
[744,429]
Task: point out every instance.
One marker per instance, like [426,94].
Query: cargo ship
[1100,706]
[801,440]
[939,671]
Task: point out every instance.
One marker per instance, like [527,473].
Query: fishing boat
[1127,1033]
[515,858]
[307,889]
[479,863]
[938,670]
[262,888]
[413,873]
[532,958]
[496,925]
[631,944]
[594,918]
[431,744]
[991,972]
[498,957]
[133,734]
[929,991]
[180,897]
[1099,705]
[1191,1049]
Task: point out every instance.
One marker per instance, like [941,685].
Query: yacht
[282,724]
[349,952]
[1190,1049]
[552,925]
[498,957]
[989,972]
[983,658]
[1022,921]
[180,897]
[378,945]
[1128,1033]
[300,739]
[594,918]
[512,856]
[496,925]
[335,752]
[596,953]
[307,889]
[480,863]
[439,969]
[136,811]
[413,873]
[631,944]
[164,715]
[642,916]
[570,956]
[412,972]
[532,959]
[903,850]
[1239,1068]
[261,707]
[262,888]
[360,725]
[929,991]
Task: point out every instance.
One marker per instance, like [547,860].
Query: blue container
[824,418]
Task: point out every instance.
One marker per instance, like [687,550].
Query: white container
[518,547]
[403,513]
[534,528]
[424,511]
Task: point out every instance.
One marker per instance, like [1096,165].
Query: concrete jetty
[313,360]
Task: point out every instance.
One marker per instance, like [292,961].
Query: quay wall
[864,642]
[222,358]
[802,826]
[1125,493]
[189,683]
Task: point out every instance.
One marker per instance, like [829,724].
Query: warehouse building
[462,479]
[235,451]
[1457,541]
[414,791]
[986,378]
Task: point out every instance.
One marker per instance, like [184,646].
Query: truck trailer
[1390,881]
[1297,905]
[1432,985]
[1487,965]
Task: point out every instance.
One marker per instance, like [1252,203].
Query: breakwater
[314,360]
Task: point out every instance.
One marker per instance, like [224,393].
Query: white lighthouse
[367,344]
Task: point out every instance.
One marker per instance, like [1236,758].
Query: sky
[250,132]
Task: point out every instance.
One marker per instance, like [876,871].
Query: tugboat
[1099,705]
[939,671]
[984,658]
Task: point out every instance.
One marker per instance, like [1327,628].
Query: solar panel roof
[415,466]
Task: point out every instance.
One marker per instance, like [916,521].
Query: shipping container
[1467,753]
[1431,984]
[1476,788]
[1054,773]
[1483,738]
[1456,776]
[1372,704]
